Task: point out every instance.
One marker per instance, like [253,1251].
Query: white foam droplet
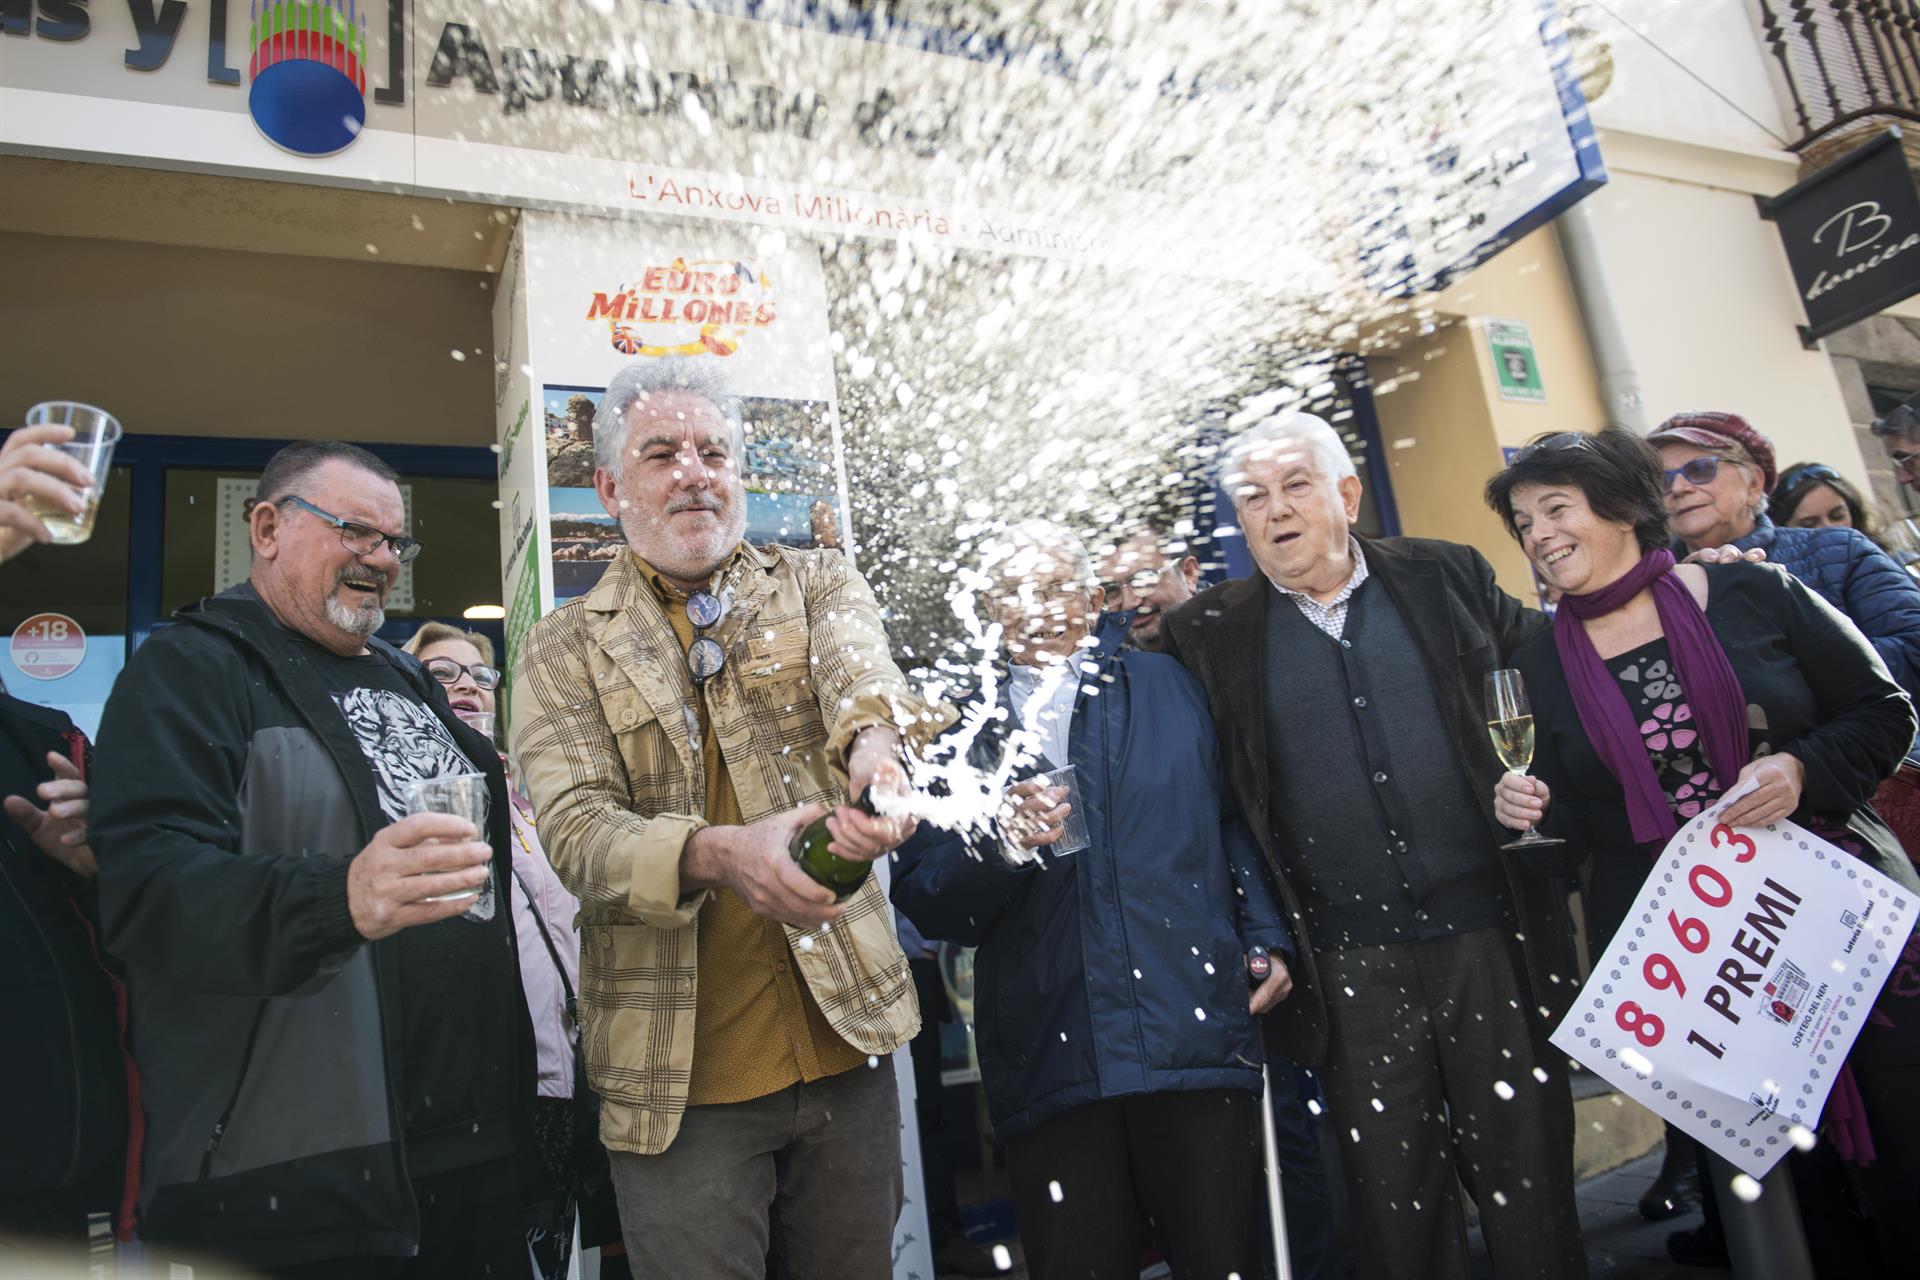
[1001,1258]
[1354,1134]
[1800,1136]
[1540,1074]
[458,354]
[1504,1090]
[1136,975]
[1313,1105]
[1637,1061]
[1379,1105]
[873,1063]
[1200,1013]
[1053,1189]
[1500,1198]
[1746,1188]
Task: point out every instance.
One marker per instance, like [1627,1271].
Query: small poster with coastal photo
[792,476]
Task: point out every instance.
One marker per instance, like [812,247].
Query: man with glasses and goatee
[675,727]
[336,1060]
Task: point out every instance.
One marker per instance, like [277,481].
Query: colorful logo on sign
[713,303]
[308,73]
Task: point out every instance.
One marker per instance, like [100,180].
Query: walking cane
[1276,1212]
[1259,965]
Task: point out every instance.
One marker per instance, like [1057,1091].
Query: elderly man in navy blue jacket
[1115,1019]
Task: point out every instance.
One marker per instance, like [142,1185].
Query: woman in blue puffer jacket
[1719,472]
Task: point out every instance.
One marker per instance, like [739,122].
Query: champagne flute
[1510,725]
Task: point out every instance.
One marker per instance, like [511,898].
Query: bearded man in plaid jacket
[674,727]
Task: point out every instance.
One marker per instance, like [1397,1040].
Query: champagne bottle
[809,849]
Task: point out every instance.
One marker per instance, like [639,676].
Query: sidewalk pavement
[1621,1245]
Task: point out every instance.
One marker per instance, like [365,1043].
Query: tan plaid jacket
[603,729]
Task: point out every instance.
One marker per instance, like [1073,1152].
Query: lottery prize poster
[1728,1001]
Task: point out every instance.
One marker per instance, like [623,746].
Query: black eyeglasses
[362,540]
[448,672]
[705,657]
[1698,471]
[1903,459]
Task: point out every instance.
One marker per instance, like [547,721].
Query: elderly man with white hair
[1345,678]
[1117,1026]
[675,727]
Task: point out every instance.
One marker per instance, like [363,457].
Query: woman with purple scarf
[1662,687]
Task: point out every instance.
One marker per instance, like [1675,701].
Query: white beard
[670,555]
[355,622]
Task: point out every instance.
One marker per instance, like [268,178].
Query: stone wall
[1883,352]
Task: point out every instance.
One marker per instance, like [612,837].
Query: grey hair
[1030,538]
[641,379]
[1289,425]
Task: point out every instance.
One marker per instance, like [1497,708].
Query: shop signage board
[524,565]
[1852,235]
[602,294]
[824,118]
[1728,1000]
[71,670]
[1515,365]
[48,646]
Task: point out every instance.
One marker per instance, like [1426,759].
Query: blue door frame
[149,457]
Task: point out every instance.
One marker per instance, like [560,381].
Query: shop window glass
[455,520]
[63,614]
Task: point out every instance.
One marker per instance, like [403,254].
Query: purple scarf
[1712,690]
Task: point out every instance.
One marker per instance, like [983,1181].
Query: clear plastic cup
[95,433]
[463,795]
[481,720]
[1074,837]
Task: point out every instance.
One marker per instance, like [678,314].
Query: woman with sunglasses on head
[1812,495]
[1661,688]
[463,664]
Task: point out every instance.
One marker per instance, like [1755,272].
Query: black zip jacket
[229,800]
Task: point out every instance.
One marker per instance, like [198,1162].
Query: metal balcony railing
[1848,66]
